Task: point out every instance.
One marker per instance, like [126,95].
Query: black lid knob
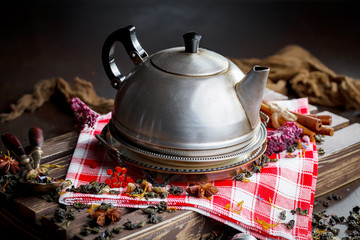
[192,41]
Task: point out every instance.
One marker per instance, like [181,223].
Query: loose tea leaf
[175,190]
[93,188]
[290,224]
[282,215]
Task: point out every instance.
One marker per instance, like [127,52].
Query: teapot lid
[190,60]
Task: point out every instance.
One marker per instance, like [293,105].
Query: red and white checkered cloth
[283,185]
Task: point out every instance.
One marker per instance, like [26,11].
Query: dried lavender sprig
[83,114]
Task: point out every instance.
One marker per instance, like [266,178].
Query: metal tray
[161,172]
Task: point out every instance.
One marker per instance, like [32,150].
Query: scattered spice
[64,226]
[321,151]
[271,204]
[61,214]
[79,205]
[8,163]
[54,194]
[175,190]
[265,225]
[290,225]
[108,216]
[282,215]
[92,187]
[10,182]
[117,230]
[201,190]
[131,226]
[106,235]
[83,114]
[238,209]
[301,211]
[319,138]
[88,230]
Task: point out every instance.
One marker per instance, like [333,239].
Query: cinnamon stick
[266,109]
[329,131]
[325,119]
[308,121]
[306,131]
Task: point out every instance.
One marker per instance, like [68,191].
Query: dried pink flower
[282,137]
[84,115]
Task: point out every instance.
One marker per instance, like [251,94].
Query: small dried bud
[130,187]
[159,190]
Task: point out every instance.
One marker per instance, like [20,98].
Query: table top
[41,40]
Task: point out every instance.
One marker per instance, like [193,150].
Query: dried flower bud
[130,187]
[159,190]
[149,186]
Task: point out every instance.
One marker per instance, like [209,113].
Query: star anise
[106,216]
[8,163]
[202,190]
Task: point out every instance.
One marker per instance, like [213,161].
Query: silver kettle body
[185,101]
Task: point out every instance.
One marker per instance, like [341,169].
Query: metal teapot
[183,101]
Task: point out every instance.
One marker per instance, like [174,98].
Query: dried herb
[302,212]
[92,188]
[39,175]
[105,206]
[106,235]
[239,177]
[256,169]
[293,212]
[155,219]
[162,207]
[79,205]
[321,151]
[88,230]
[117,230]
[64,226]
[131,226]
[282,215]
[9,182]
[319,138]
[61,214]
[290,224]
[202,190]
[175,190]
[291,148]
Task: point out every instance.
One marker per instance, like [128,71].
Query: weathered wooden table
[33,215]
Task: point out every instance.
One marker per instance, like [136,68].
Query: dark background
[44,39]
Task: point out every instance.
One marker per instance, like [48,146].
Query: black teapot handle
[137,54]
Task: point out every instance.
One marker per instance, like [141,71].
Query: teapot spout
[250,91]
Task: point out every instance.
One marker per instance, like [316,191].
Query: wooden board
[341,161]
[33,214]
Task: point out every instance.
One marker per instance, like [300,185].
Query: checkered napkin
[286,185]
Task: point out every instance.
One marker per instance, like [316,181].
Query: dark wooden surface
[43,39]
